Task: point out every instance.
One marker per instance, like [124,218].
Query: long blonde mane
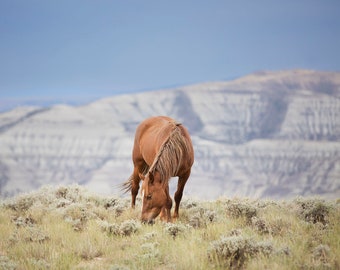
[170,155]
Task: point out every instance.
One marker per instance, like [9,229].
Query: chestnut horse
[162,149]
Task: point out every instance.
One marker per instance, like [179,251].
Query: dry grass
[69,228]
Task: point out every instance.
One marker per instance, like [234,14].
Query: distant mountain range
[268,134]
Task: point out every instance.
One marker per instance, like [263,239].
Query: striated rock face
[269,134]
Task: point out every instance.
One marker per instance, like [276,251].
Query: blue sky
[80,49]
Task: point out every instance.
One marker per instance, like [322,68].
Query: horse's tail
[127,185]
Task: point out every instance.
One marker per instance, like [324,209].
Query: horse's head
[154,196]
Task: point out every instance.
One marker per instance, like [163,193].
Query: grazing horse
[162,149]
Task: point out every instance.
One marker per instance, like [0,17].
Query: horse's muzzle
[149,222]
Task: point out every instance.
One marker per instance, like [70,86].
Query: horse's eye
[149,197]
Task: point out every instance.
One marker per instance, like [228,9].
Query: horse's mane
[170,155]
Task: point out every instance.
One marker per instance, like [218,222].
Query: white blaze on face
[142,198]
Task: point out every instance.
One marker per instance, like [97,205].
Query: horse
[162,149]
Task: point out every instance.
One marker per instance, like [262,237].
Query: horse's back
[149,137]
[151,126]
[151,134]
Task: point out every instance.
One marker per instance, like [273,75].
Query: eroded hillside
[269,134]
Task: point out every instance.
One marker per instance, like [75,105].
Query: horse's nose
[149,222]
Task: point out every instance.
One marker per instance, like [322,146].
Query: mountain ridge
[268,134]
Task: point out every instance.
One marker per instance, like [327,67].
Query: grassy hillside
[69,228]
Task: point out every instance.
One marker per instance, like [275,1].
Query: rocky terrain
[268,134]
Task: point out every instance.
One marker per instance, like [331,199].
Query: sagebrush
[70,228]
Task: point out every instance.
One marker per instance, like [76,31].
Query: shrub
[61,192]
[6,263]
[20,204]
[233,251]
[129,227]
[63,203]
[72,193]
[36,235]
[149,236]
[115,205]
[175,229]
[150,250]
[279,227]
[260,225]
[188,203]
[196,221]
[242,209]
[201,217]
[109,228]
[235,232]
[313,210]
[126,228]
[111,202]
[197,215]
[210,215]
[23,221]
[28,234]
[77,215]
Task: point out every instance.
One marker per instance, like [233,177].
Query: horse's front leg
[179,193]
[165,214]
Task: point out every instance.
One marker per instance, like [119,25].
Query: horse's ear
[151,177]
[141,176]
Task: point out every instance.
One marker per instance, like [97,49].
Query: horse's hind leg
[179,193]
